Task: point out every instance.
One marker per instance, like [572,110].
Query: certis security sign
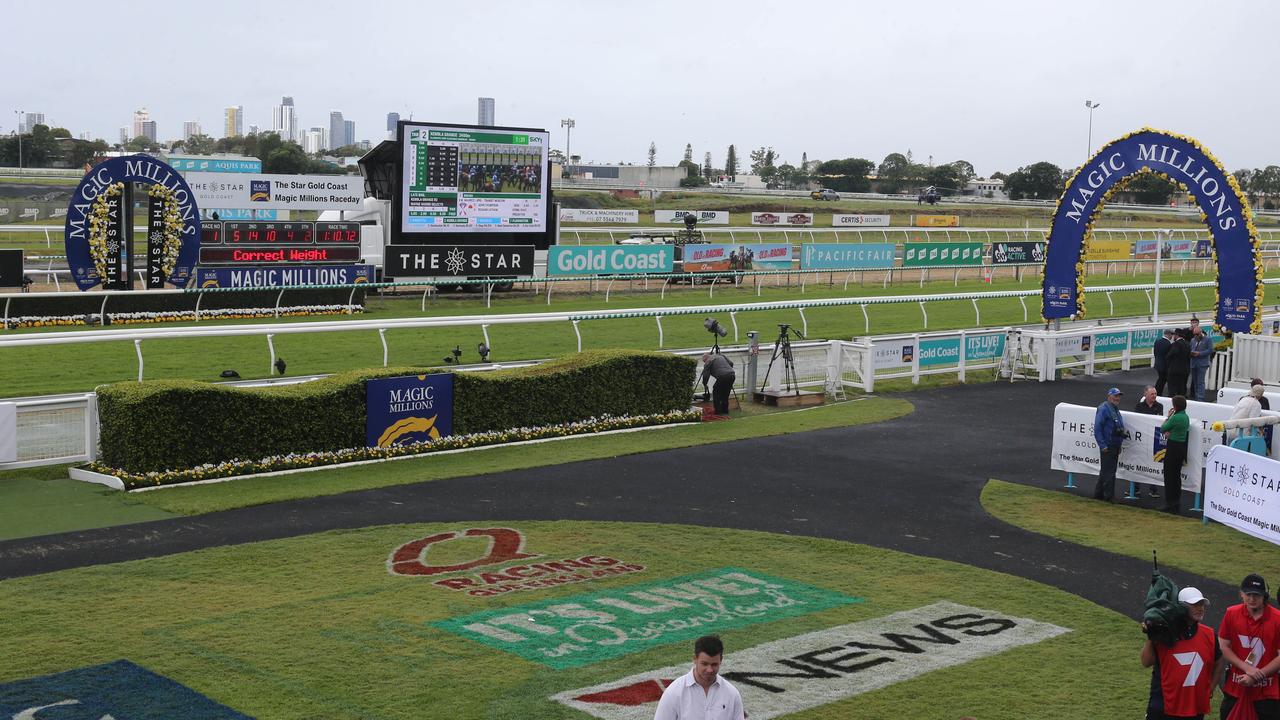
[817,668]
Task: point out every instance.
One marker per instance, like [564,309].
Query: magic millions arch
[1223,207]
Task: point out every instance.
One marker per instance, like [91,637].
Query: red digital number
[271,236]
[235,235]
[253,236]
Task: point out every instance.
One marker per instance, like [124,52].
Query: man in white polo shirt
[701,694]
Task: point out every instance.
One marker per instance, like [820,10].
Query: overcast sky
[1000,84]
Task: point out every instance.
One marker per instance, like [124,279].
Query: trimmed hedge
[174,424]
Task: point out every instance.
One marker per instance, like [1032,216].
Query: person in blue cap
[1108,431]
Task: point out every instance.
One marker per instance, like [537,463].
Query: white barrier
[1076,451]
[1240,490]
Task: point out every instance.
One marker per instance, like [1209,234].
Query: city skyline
[996,83]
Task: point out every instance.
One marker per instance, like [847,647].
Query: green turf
[1213,550]
[199,499]
[42,501]
[70,368]
[315,627]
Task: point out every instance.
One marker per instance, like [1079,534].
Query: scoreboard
[235,242]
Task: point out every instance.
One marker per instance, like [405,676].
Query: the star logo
[1242,474]
[454,261]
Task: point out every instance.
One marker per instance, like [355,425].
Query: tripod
[782,348]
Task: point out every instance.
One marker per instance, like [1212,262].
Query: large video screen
[459,179]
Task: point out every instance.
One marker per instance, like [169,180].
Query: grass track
[1213,550]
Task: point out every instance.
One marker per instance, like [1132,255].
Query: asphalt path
[910,484]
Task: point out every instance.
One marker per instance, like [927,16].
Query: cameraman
[1184,674]
[721,368]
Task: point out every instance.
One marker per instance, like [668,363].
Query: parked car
[824,194]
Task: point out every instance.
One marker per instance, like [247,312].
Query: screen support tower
[782,349]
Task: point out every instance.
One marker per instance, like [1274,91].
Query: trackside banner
[1141,456]
[1242,491]
[600,215]
[807,671]
[846,256]
[856,220]
[618,260]
[705,217]
[403,410]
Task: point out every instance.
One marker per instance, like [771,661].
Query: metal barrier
[56,430]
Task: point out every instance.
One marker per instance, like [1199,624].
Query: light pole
[567,124]
[1092,106]
[18,114]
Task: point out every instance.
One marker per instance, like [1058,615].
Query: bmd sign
[625,260]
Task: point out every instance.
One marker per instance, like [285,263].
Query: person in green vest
[1175,430]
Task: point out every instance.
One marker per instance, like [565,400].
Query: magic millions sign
[99,225]
[1223,206]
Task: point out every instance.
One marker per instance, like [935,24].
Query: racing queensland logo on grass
[568,632]
[478,573]
[807,671]
[402,410]
[116,690]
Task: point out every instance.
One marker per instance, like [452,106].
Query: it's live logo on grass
[504,545]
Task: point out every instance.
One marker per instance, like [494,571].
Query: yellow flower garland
[171,228]
[98,213]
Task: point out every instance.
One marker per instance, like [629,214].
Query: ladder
[1017,356]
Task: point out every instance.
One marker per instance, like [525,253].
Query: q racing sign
[403,410]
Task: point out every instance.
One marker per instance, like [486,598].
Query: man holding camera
[715,365]
[1184,674]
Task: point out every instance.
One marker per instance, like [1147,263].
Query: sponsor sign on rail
[1242,491]
[857,220]
[790,219]
[807,671]
[600,215]
[615,260]
[1075,450]
[705,217]
[846,256]
[941,254]
[403,410]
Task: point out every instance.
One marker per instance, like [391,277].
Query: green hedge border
[175,424]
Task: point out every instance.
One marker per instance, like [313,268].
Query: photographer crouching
[715,365]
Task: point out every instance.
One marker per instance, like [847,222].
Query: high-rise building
[233,124]
[28,122]
[124,135]
[485,114]
[139,117]
[86,135]
[337,129]
[190,128]
[149,130]
[284,119]
[315,140]
[392,120]
[349,132]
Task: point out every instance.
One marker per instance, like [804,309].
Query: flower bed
[275,463]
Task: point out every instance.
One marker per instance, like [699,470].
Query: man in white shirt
[701,694]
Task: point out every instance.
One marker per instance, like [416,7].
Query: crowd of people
[1180,357]
[1190,660]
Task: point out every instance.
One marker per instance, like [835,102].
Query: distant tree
[848,175]
[352,150]
[1244,177]
[706,165]
[84,152]
[59,132]
[731,163]
[804,162]
[946,178]
[691,168]
[997,175]
[895,172]
[200,145]
[1040,181]
[653,154]
[964,170]
[688,152]
[1149,188]
[762,161]
[142,143]
[786,175]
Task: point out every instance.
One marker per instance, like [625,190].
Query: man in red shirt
[1182,681]
[1250,637]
